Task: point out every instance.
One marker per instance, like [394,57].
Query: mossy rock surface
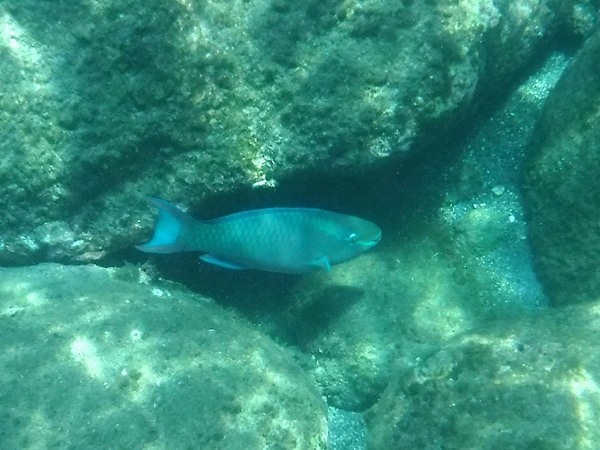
[108,102]
[530,383]
[91,359]
[562,186]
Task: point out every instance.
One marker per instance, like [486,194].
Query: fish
[284,240]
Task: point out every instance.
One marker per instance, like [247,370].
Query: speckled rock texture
[531,383]
[106,102]
[562,183]
[92,358]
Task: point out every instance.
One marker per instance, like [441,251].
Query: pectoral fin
[322,262]
[219,262]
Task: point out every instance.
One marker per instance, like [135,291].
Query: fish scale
[244,236]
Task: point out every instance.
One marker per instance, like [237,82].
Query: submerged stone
[91,360]
[108,102]
[562,186]
[530,383]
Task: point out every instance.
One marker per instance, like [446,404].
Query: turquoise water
[417,117]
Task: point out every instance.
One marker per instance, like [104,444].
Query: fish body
[287,240]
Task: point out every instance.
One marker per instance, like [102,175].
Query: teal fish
[287,240]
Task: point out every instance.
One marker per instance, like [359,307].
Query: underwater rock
[91,358]
[107,102]
[562,186]
[445,266]
[529,383]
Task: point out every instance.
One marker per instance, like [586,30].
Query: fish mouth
[373,242]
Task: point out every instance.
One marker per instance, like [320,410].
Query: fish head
[361,233]
[351,237]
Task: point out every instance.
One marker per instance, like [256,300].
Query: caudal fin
[167,233]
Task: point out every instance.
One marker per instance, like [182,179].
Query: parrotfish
[286,240]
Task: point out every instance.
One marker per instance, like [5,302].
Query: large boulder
[562,186]
[530,383]
[91,358]
[105,102]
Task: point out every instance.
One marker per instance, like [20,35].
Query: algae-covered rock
[92,360]
[532,383]
[445,265]
[106,102]
[562,186]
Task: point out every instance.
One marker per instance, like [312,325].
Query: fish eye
[353,238]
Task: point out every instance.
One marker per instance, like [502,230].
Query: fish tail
[168,231]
